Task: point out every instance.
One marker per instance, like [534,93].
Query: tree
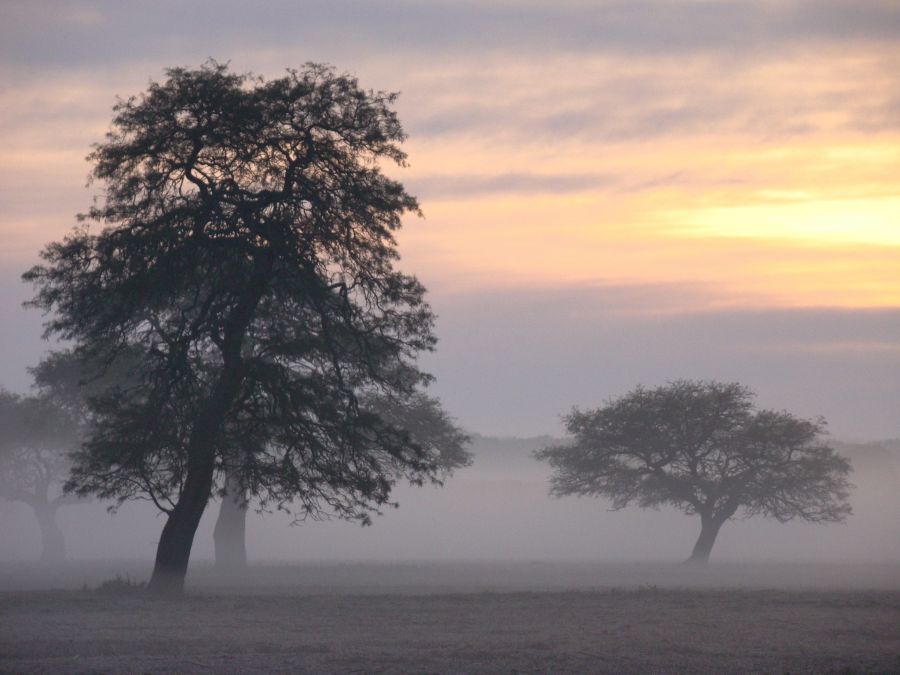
[247,257]
[36,434]
[421,417]
[702,448]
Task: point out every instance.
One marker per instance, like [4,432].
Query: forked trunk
[53,545]
[709,530]
[230,530]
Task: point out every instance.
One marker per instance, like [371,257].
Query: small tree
[36,435]
[247,259]
[702,448]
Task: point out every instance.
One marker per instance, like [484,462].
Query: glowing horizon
[769,179]
[613,192]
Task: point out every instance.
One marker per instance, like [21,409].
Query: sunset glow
[668,160]
[771,180]
[803,224]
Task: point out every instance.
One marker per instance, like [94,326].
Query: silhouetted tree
[36,435]
[247,255]
[421,417]
[703,448]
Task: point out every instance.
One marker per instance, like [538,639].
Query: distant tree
[72,383]
[702,448]
[36,435]
[247,256]
[421,417]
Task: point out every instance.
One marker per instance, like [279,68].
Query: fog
[511,362]
[498,509]
[615,196]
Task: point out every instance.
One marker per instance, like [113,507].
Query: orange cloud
[771,180]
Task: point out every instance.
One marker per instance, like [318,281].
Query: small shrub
[120,585]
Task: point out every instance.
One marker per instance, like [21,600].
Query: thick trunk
[230,531]
[53,545]
[709,530]
[174,549]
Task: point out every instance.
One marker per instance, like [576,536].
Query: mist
[446,281]
[498,509]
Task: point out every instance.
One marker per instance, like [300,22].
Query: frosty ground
[460,617]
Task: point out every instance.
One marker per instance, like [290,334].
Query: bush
[120,585]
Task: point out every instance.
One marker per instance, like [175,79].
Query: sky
[614,193]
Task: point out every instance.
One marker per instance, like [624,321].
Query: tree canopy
[701,447]
[37,435]
[420,418]
[246,260]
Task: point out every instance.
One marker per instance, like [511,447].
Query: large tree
[246,254]
[421,417]
[703,448]
[37,433]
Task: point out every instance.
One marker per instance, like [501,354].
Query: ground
[431,618]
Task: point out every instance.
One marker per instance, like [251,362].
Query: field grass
[271,624]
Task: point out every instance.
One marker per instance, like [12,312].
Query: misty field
[432,618]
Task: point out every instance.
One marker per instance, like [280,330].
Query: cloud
[80,33]
[521,72]
[461,186]
[468,186]
[512,362]
[872,348]
[877,116]
[663,106]
[605,99]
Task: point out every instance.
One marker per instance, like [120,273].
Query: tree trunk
[230,530]
[53,545]
[174,549]
[709,530]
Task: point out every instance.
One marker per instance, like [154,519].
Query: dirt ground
[645,630]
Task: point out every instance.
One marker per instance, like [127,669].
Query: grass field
[362,618]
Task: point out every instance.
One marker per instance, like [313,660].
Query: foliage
[703,448]
[36,435]
[245,270]
[427,425]
[72,383]
[417,434]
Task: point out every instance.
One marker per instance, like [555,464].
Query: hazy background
[615,193]
[498,510]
